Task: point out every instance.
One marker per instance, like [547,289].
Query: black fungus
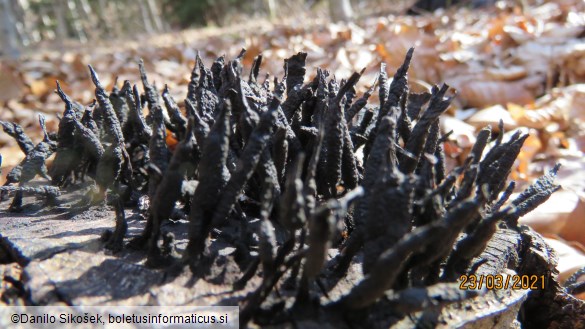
[282,167]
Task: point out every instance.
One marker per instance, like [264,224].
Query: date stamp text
[499,282]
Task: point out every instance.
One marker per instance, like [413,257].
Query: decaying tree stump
[298,202]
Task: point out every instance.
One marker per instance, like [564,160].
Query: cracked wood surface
[56,257]
[63,261]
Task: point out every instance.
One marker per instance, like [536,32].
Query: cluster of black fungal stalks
[298,169]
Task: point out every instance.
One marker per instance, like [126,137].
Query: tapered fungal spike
[64,97]
[15,131]
[255,70]
[374,84]
[420,132]
[43,127]
[242,53]
[555,169]
[505,196]
[351,82]
[443,90]
[127,86]
[60,91]
[408,57]
[390,96]
[544,185]
[199,63]
[481,142]
[140,64]
[386,269]
[500,132]
[292,201]
[297,169]
[191,109]
[136,94]
[190,127]
[314,159]
[115,85]
[446,136]
[94,77]
[285,76]
[143,76]
[383,146]
[403,69]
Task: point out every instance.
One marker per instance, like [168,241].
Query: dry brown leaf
[574,229]
[39,88]
[383,52]
[495,30]
[507,73]
[167,69]
[560,106]
[570,259]
[492,116]
[11,86]
[476,92]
